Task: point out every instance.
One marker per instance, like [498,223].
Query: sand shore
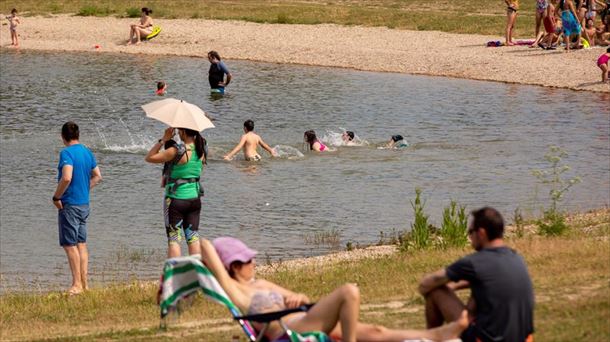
[362,48]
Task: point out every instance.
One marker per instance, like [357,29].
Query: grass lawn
[570,275]
[466,16]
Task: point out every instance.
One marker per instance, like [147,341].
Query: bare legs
[136,33]
[78,258]
[511,17]
[604,68]
[14,38]
[340,306]
[337,314]
[173,249]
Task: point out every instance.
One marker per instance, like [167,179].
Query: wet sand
[362,48]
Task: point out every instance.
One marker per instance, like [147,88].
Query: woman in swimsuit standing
[314,144]
[336,314]
[141,30]
[512,6]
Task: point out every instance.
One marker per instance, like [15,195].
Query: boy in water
[397,141]
[14,21]
[249,142]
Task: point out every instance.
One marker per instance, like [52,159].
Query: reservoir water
[475,142]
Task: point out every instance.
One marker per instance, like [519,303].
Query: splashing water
[288,152]
[332,138]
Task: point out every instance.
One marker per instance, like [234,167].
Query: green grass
[570,276]
[467,16]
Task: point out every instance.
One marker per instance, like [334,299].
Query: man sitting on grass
[502,300]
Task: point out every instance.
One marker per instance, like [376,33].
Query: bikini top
[322,146]
[266,301]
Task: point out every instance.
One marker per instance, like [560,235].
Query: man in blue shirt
[217,72]
[77,174]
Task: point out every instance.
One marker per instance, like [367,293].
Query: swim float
[155,31]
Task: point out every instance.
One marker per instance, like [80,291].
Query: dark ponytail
[200,144]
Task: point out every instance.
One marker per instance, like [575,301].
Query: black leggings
[182,215]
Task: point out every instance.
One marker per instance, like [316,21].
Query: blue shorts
[72,220]
[219,90]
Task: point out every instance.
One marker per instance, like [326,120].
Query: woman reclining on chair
[335,314]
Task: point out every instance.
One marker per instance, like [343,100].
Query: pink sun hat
[230,249]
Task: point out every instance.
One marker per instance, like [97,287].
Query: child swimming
[397,141]
[312,140]
[249,143]
[161,88]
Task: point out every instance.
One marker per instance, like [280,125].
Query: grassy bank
[570,275]
[467,16]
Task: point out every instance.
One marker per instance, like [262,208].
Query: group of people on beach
[575,22]
[500,307]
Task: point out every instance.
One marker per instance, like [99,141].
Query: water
[475,142]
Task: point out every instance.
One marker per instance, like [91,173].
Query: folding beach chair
[183,276]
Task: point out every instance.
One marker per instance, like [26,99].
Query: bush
[419,236]
[88,11]
[553,220]
[133,12]
[454,230]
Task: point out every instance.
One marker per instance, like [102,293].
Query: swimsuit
[255,157]
[514,6]
[603,59]
[541,5]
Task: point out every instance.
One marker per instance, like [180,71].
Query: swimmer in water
[249,142]
[348,138]
[397,141]
[313,142]
[161,88]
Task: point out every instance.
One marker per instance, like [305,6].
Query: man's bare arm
[432,281]
[266,147]
[96,177]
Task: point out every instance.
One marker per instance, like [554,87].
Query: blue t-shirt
[83,162]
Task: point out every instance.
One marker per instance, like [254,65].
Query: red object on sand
[97,46]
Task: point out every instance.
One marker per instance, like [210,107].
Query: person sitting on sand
[249,142]
[14,20]
[141,30]
[589,32]
[603,32]
[502,299]
[602,63]
[312,140]
[161,88]
[397,141]
[335,314]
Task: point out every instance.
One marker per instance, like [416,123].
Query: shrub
[419,236]
[282,18]
[454,229]
[519,223]
[553,220]
[90,10]
[133,12]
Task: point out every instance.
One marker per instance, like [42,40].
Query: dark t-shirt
[502,290]
[216,74]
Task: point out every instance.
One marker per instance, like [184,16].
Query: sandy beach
[361,48]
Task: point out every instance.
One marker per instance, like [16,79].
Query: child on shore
[161,88]
[14,21]
[602,63]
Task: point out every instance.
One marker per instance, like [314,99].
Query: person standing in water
[182,188]
[77,174]
[249,142]
[217,72]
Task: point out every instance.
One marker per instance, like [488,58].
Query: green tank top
[190,169]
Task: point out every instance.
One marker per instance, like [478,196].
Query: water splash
[288,152]
[332,138]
